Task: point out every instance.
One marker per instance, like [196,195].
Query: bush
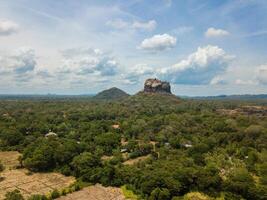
[196,196]
[38,197]
[14,195]
[55,194]
[1,166]
[160,194]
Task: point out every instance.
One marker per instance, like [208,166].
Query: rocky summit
[157,86]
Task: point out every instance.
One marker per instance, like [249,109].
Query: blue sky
[203,47]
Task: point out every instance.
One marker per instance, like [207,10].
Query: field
[96,192]
[10,159]
[28,183]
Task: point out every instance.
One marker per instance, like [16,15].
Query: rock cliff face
[157,86]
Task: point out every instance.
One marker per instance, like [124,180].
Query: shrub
[14,195]
[55,194]
[38,197]
[1,166]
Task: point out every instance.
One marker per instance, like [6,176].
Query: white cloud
[136,25]
[84,61]
[21,61]
[261,74]
[217,80]
[7,27]
[200,67]
[212,32]
[136,73]
[158,43]
[150,25]
[182,30]
[117,24]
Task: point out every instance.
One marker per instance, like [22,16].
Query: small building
[188,145]
[51,134]
[167,144]
[124,150]
[116,126]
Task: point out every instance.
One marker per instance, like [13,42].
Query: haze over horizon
[202,47]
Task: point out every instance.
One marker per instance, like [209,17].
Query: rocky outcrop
[157,86]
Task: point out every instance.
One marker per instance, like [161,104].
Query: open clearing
[96,192]
[37,183]
[136,160]
[245,110]
[9,159]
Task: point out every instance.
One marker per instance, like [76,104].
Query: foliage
[14,195]
[194,146]
[129,194]
[55,194]
[1,166]
[37,197]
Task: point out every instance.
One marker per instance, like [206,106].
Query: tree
[84,163]
[239,182]
[12,137]
[159,194]
[42,158]
[253,131]
[108,141]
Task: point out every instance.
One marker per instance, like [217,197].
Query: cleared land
[37,183]
[96,192]
[9,159]
[136,160]
[245,110]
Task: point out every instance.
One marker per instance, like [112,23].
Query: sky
[202,47]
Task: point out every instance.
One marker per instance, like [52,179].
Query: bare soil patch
[136,160]
[10,159]
[37,183]
[245,110]
[106,158]
[96,192]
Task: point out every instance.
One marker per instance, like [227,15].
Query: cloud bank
[83,61]
[20,61]
[198,68]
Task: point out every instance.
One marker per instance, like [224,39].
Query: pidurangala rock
[157,86]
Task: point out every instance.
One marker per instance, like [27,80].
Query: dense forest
[192,145]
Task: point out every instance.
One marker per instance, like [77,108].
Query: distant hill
[111,94]
[232,97]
